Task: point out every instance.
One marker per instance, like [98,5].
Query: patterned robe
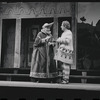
[42,64]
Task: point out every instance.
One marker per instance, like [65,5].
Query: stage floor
[74,86]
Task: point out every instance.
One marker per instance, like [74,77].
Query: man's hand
[51,43]
[59,39]
[47,38]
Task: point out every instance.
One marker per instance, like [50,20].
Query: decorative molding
[36,9]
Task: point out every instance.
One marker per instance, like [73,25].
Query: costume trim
[43,75]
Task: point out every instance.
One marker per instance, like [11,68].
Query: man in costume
[65,51]
[42,64]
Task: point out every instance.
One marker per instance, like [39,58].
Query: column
[74,31]
[0,39]
[17,44]
[55,30]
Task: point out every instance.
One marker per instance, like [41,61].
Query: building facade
[21,21]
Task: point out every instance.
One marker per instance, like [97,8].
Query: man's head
[65,25]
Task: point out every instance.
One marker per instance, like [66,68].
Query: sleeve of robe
[38,41]
[66,39]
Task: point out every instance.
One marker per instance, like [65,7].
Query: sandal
[65,81]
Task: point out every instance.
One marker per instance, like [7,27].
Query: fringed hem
[64,56]
[43,75]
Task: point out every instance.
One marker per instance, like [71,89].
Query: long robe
[42,64]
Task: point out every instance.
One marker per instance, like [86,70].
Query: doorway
[8,43]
